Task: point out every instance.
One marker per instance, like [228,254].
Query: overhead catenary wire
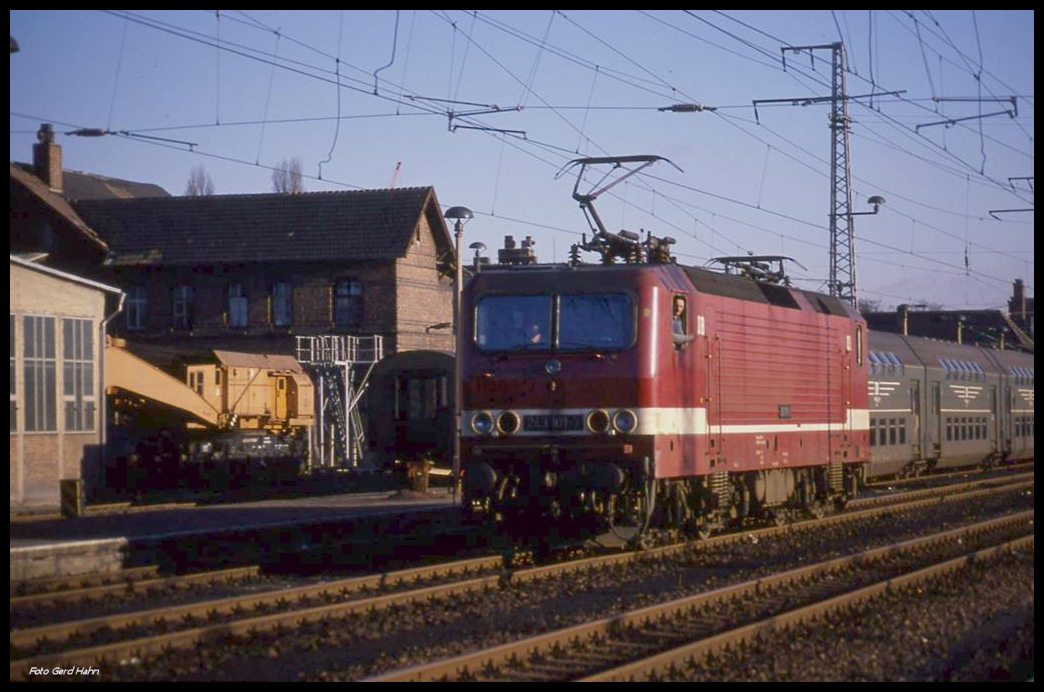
[502,138]
[337,96]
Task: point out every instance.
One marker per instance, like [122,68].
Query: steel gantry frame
[336,363]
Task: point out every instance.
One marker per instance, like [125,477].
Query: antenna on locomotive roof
[758,267]
[624,244]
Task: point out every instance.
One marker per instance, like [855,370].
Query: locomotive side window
[587,320]
[680,322]
[513,323]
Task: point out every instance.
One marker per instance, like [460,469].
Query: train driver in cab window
[679,324]
[534,335]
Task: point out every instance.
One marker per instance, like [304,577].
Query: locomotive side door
[685,363]
[847,373]
[711,397]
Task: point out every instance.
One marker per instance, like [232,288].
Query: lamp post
[845,265]
[460,215]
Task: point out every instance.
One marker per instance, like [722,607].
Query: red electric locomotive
[638,393]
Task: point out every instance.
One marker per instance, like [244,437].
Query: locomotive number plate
[553,423]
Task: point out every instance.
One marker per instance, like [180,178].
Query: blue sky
[250,89]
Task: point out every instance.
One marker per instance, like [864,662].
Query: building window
[135,307]
[78,375]
[348,304]
[12,380]
[40,385]
[282,304]
[183,307]
[237,307]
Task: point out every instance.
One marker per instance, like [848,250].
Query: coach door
[937,412]
[915,416]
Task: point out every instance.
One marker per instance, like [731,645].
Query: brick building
[989,328]
[57,330]
[247,272]
[58,317]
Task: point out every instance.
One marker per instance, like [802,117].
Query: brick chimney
[1018,300]
[47,158]
[902,315]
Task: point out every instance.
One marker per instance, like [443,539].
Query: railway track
[936,491]
[639,644]
[127,637]
[56,584]
[57,643]
[131,587]
[999,471]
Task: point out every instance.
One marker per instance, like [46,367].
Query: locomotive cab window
[513,323]
[595,320]
[568,322]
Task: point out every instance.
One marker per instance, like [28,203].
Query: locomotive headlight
[625,421]
[482,422]
[206,447]
[598,421]
[508,422]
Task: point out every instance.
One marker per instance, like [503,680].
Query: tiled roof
[318,226]
[77,185]
[264,361]
[80,185]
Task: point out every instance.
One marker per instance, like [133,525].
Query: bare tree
[287,177]
[200,183]
[867,305]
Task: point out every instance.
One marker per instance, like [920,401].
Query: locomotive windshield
[580,321]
